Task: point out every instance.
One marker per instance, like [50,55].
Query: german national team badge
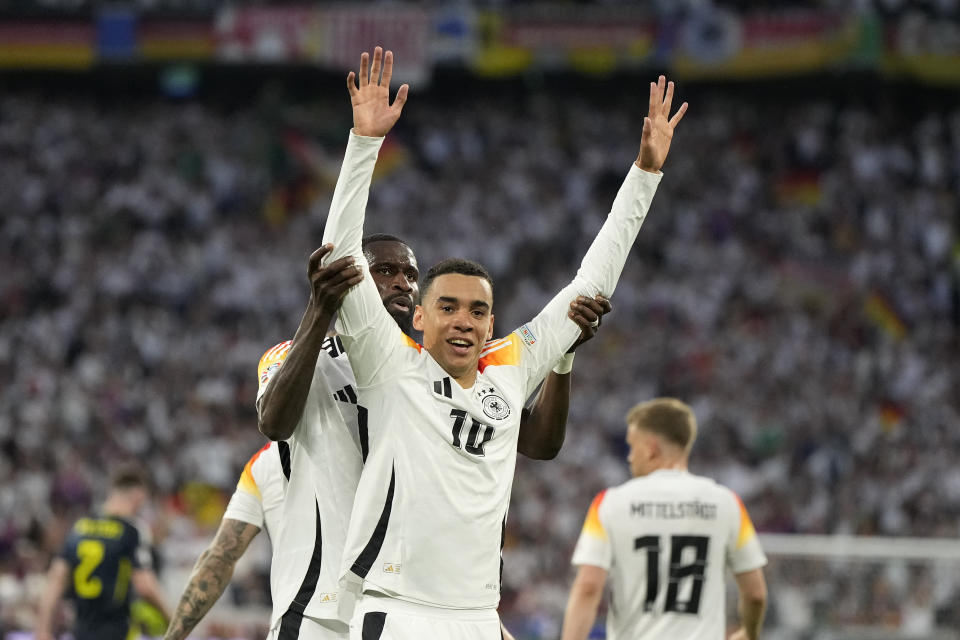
[494,406]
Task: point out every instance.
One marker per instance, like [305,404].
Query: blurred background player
[666,538]
[258,501]
[104,563]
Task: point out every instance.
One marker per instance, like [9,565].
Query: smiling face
[393,268]
[456,318]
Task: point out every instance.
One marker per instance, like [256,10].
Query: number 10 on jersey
[684,566]
[459,421]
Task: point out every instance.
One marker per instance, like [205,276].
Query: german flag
[176,40]
[392,157]
[885,316]
[799,188]
[891,415]
[51,45]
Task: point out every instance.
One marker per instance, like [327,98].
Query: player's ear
[490,328]
[418,318]
[653,447]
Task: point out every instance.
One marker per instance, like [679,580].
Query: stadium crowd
[797,282]
[893,10]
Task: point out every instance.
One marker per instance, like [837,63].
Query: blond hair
[668,418]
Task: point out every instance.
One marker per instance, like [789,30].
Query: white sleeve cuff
[564,364]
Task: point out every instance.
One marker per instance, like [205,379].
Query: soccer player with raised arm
[104,559]
[306,387]
[427,527]
[665,539]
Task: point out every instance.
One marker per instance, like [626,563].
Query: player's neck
[465,377]
[117,507]
[467,380]
[673,465]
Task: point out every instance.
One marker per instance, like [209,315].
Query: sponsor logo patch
[328,597]
[527,335]
[393,568]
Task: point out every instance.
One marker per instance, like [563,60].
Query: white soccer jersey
[428,521]
[258,499]
[667,540]
[321,469]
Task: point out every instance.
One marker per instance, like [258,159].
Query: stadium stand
[797,282]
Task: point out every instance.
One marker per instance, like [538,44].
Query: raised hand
[329,284]
[658,126]
[373,115]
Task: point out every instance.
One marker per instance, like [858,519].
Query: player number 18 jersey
[667,540]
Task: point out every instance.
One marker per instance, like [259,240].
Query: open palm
[373,115]
[658,126]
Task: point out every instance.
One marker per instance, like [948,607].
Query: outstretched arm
[52,592]
[283,400]
[373,117]
[544,427]
[210,576]
[369,333]
[550,334]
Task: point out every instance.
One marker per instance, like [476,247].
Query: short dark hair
[129,476]
[380,237]
[668,418]
[454,265]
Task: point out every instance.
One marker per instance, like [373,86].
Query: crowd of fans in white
[150,252]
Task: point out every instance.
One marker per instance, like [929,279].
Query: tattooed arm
[210,576]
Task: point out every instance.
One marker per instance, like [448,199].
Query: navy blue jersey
[103,552]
